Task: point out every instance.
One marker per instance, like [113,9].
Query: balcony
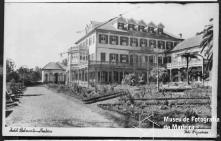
[183,64]
[123,65]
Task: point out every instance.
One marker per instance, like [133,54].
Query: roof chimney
[181,35]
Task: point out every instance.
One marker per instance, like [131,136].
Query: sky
[36,33]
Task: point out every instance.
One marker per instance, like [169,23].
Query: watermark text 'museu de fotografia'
[186,122]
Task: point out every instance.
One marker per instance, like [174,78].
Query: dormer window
[141,28]
[151,29]
[131,27]
[160,31]
[120,26]
[160,27]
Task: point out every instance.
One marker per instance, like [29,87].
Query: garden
[137,102]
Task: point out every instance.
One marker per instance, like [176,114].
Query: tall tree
[64,62]
[10,65]
[188,56]
[207,44]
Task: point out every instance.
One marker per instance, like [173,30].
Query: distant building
[53,73]
[109,51]
[178,64]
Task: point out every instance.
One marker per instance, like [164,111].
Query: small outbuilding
[53,72]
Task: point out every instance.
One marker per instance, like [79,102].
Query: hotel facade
[108,51]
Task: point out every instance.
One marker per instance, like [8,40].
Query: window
[103,57]
[93,40]
[114,40]
[131,27]
[120,25]
[146,59]
[141,28]
[161,44]
[151,29]
[143,43]
[131,59]
[152,43]
[113,58]
[86,42]
[124,41]
[123,58]
[90,41]
[164,60]
[151,59]
[168,59]
[169,45]
[103,38]
[160,61]
[134,42]
[160,30]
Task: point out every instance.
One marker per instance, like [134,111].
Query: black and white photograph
[110,69]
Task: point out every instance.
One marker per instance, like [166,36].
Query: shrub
[130,79]
[190,113]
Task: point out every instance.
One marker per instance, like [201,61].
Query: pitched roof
[142,23]
[188,43]
[132,21]
[151,24]
[160,25]
[109,26]
[53,66]
[95,24]
[122,20]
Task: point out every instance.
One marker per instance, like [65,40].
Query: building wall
[49,76]
[179,62]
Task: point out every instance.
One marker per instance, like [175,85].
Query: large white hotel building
[112,49]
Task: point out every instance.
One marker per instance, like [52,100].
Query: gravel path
[41,107]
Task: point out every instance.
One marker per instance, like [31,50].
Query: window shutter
[99,38]
[110,57]
[106,39]
[116,57]
[116,40]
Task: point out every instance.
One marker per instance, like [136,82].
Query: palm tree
[207,44]
[188,56]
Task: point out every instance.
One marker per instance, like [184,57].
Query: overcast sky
[35,33]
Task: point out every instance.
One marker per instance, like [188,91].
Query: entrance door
[56,78]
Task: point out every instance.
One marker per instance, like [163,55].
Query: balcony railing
[125,65]
[183,64]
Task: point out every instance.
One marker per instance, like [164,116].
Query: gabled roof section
[142,23]
[151,24]
[189,43]
[122,20]
[132,21]
[172,35]
[160,25]
[53,66]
